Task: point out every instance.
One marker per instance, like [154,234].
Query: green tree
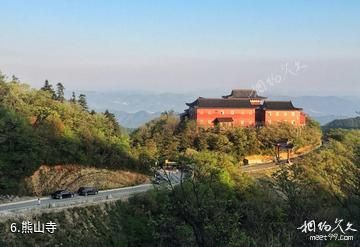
[2,77]
[83,102]
[111,117]
[49,88]
[73,98]
[19,150]
[60,92]
[14,79]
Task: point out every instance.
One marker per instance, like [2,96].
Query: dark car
[156,180]
[60,194]
[84,191]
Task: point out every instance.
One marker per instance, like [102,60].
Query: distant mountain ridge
[132,102]
[348,123]
[136,119]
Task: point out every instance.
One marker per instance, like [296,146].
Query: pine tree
[73,98]
[15,79]
[60,92]
[112,119]
[48,88]
[107,113]
[83,102]
[2,77]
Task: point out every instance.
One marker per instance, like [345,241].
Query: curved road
[269,165]
[47,202]
[104,195]
[121,193]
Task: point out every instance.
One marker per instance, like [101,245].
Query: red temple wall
[293,117]
[241,117]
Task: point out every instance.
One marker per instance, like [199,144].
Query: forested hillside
[218,206]
[348,123]
[168,138]
[221,206]
[40,127]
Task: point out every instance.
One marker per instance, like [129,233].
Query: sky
[277,47]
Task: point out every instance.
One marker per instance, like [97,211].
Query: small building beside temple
[242,108]
[280,111]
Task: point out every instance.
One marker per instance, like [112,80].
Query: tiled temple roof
[220,103]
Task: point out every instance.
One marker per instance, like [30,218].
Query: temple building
[280,111]
[242,108]
[246,94]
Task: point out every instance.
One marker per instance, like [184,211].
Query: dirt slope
[49,178]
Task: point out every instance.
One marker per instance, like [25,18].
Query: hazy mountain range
[136,108]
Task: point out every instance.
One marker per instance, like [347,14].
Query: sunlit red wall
[241,117]
[296,118]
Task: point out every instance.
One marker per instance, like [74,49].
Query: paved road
[46,201]
[264,166]
[120,193]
